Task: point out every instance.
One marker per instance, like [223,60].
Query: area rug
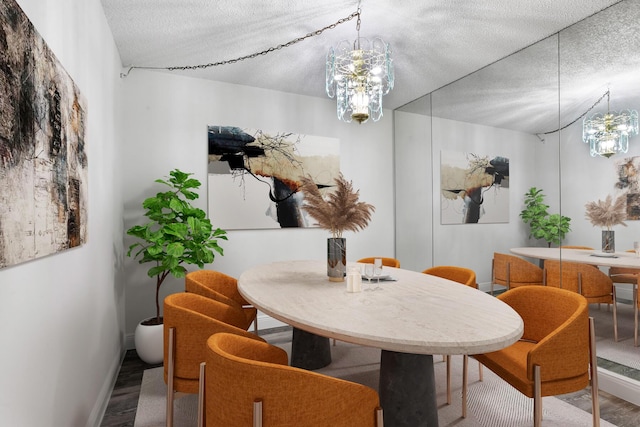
[491,402]
[623,352]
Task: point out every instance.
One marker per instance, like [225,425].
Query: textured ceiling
[434,42]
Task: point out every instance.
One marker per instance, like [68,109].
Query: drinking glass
[377,271]
[368,273]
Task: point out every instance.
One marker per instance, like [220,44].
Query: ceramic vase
[149,343]
[608,241]
[336,258]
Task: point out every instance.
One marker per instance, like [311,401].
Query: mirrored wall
[514,125]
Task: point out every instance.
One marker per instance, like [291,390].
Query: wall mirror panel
[526,108]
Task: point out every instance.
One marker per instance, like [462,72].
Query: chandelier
[608,133]
[358,75]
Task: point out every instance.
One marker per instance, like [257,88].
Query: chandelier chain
[581,116]
[256,54]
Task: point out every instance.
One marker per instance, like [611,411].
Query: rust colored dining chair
[512,271]
[388,262]
[584,279]
[221,287]
[466,277]
[556,354]
[189,320]
[629,276]
[586,248]
[248,383]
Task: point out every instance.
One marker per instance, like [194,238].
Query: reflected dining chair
[223,288]
[248,383]
[466,277]
[189,320]
[584,279]
[512,271]
[629,276]
[388,262]
[585,248]
[556,354]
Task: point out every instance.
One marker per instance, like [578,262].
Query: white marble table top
[418,313]
[595,257]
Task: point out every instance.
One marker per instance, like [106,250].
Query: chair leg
[170,368]
[537,397]
[635,314]
[201,395]
[379,418]
[257,413]
[255,325]
[615,315]
[593,366]
[448,358]
[465,372]
[480,378]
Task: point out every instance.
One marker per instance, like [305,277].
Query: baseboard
[619,386]
[102,402]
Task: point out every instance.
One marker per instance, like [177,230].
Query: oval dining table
[409,319]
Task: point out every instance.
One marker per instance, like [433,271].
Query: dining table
[585,256]
[410,317]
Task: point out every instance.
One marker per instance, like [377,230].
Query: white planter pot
[149,343]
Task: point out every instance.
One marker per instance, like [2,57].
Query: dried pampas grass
[606,214]
[340,211]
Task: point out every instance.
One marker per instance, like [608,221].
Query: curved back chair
[388,262]
[630,276]
[223,288]
[556,353]
[584,279]
[586,248]
[466,277]
[247,382]
[190,319]
[512,271]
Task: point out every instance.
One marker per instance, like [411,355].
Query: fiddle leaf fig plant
[175,234]
[552,228]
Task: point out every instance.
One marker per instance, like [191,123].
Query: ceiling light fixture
[358,75]
[608,133]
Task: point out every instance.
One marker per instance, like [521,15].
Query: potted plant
[552,228]
[605,214]
[175,234]
[340,211]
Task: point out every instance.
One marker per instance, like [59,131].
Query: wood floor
[121,411]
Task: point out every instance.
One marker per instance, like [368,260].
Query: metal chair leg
[170,369]
[537,397]
[257,413]
[201,395]
[593,365]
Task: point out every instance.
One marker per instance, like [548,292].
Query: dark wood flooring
[121,411]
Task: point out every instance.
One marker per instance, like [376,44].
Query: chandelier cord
[252,55]
[578,118]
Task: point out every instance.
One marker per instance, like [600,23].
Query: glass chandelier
[358,75]
[608,133]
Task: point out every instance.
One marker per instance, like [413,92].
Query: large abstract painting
[254,176]
[474,188]
[628,171]
[43,164]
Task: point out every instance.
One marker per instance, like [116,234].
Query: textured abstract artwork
[253,176]
[474,188]
[628,171]
[43,164]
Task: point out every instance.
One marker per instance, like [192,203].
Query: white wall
[166,119]
[62,317]
[427,242]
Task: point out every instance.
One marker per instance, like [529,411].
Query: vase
[149,342]
[336,258]
[608,241]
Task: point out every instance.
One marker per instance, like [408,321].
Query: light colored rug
[492,402]
[623,351]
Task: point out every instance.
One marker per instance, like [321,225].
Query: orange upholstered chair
[586,248]
[585,279]
[389,262]
[630,276]
[556,353]
[190,319]
[247,382]
[466,277]
[220,287]
[512,271]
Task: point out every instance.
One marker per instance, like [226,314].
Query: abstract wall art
[253,176]
[628,171]
[43,163]
[474,188]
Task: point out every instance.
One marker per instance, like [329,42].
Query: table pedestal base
[309,351]
[407,390]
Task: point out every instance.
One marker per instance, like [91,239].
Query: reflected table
[410,319]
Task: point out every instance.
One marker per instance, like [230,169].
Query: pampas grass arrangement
[340,211]
[607,213]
